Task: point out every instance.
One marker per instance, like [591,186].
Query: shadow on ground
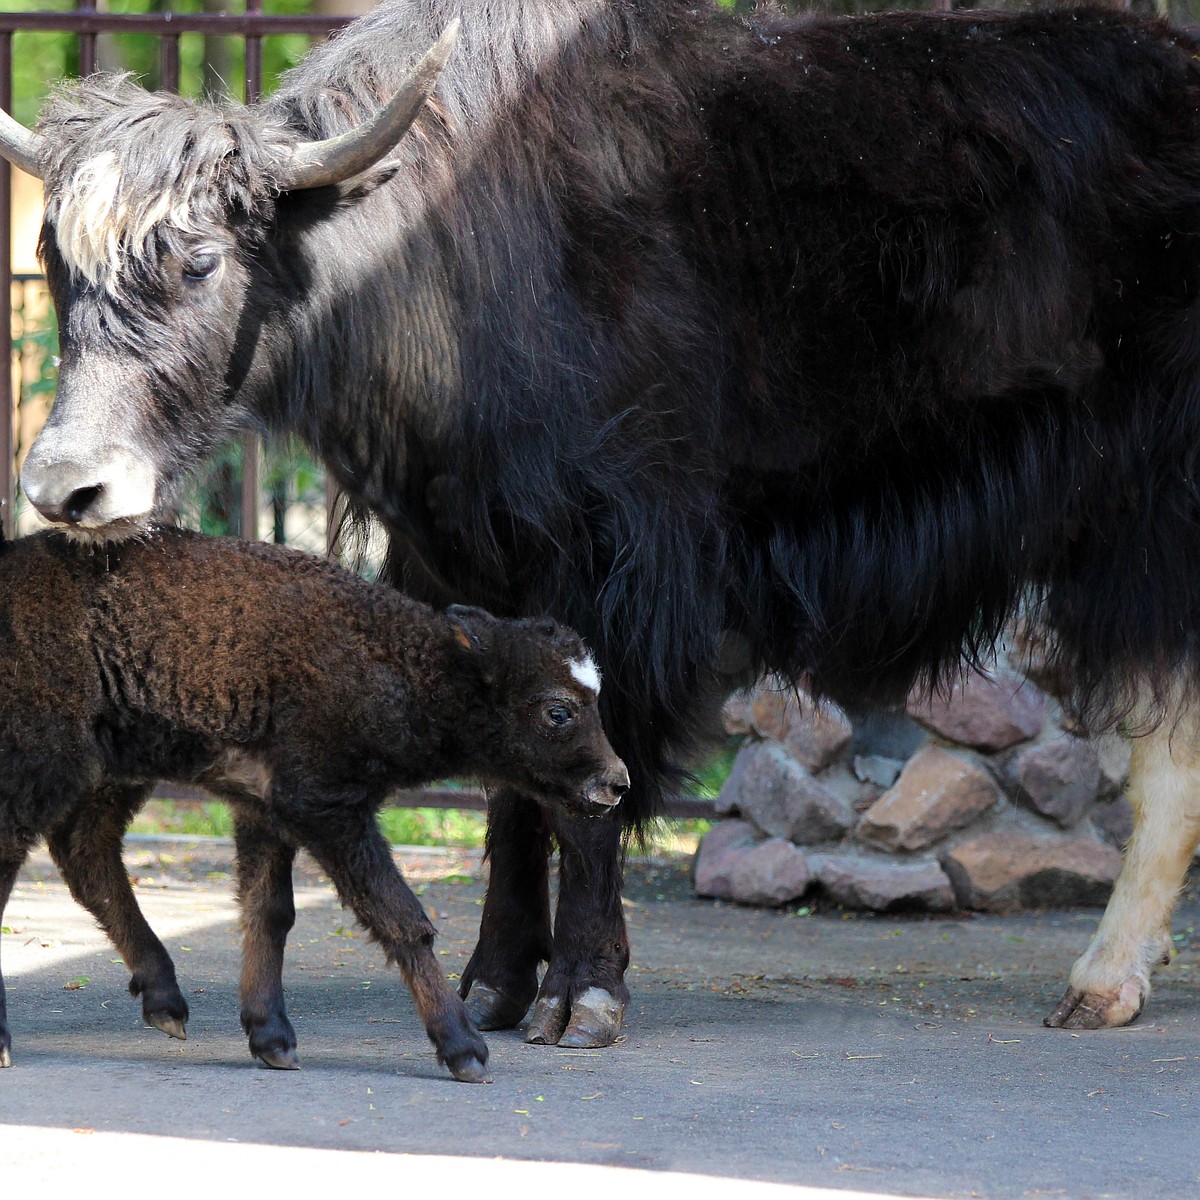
[898,1056]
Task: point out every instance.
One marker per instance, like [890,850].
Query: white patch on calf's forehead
[585,673]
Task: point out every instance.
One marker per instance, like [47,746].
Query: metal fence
[87,24]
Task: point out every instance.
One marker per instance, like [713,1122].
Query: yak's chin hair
[126,529]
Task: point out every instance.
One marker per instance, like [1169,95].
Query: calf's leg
[501,979]
[354,855]
[264,867]
[583,996]
[86,848]
[12,855]
[1110,983]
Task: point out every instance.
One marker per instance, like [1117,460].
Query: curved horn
[317,164]
[21,147]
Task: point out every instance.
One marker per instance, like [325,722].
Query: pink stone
[938,792]
[990,711]
[1057,778]
[770,872]
[717,856]
[813,734]
[880,884]
[1003,872]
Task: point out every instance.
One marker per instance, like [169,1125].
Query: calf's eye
[557,715]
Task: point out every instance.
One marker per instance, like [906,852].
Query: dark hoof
[279,1060]
[469,1069]
[549,1020]
[168,1024]
[591,1021]
[490,1008]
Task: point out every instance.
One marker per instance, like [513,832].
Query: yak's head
[156,211]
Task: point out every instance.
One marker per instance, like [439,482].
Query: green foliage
[206,65]
[433,827]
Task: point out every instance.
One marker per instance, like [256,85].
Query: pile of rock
[979,799]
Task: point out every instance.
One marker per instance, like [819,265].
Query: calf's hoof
[490,1008]
[279,1060]
[469,1068]
[5,1050]
[172,1026]
[459,1047]
[590,1021]
[273,1042]
[1099,1009]
[163,1006]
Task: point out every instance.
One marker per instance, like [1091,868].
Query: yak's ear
[471,628]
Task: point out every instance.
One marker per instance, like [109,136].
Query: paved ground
[885,1056]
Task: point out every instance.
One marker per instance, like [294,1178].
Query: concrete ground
[850,1055]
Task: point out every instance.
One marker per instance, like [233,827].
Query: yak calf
[301,693]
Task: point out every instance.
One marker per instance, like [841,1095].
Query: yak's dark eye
[558,715]
[202,266]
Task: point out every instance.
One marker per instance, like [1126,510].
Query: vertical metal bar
[168,58]
[87,41]
[334,507]
[250,448]
[7,407]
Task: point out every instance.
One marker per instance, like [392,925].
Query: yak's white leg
[1109,985]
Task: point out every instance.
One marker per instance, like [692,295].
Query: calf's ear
[471,628]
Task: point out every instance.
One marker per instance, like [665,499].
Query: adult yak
[819,345]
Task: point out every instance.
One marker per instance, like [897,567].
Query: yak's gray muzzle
[109,486]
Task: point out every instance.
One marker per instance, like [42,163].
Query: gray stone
[726,802]
[784,800]
[1003,872]
[880,884]
[1058,778]
[888,734]
[988,710]
[874,768]
[1113,751]
[814,734]
[717,856]
[1113,818]
[770,872]
[938,792]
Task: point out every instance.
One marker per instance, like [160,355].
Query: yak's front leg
[1109,985]
[264,867]
[583,997]
[501,979]
[87,851]
[356,858]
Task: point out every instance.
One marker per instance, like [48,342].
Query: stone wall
[982,799]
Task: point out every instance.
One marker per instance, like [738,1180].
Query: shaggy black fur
[817,342]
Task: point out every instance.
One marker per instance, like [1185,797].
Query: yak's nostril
[79,501]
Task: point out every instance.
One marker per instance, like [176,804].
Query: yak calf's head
[537,724]
[156,246]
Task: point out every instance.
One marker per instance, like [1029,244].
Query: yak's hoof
[279,1060]
[1098,1010]
[591,1021]
[490,1008]
[172,1026]
[5,1057]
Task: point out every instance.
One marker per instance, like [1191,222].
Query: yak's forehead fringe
[125,164]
